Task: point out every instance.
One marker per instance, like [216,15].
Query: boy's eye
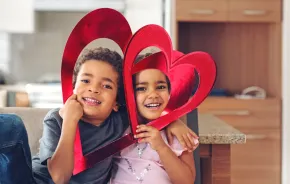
[161,87]
[85,81]
[140,89]
[108,86]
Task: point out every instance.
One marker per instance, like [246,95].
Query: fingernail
[135,136]
[196,141]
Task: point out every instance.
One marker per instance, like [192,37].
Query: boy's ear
[116,107]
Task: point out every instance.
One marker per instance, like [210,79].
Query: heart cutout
[201,61]
[100,23]
[108,23]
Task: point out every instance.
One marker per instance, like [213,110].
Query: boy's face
[152,94]
[96,88]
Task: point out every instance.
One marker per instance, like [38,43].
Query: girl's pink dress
[139,163]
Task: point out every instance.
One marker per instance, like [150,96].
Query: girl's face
[151,93]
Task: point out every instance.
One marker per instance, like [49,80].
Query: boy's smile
[152,93]
[96,88]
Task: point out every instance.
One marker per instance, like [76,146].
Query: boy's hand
[72,110]
[187,138]
[150,135]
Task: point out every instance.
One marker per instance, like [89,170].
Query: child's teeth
[93,100]
[153,105]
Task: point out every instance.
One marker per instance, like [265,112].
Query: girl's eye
[161,87]
[140,89]
[85,81]
[108,86]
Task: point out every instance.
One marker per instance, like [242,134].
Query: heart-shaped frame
[108,23]
[154,35]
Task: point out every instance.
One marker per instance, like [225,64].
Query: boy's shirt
[92,137]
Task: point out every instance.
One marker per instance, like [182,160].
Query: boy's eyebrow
[87,74]
[103,78]
[108,80]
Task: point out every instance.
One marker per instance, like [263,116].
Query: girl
[152,160]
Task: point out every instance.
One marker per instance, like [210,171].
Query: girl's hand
[150,135]
[187,138]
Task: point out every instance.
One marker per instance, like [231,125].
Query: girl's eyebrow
[142,83]
[161,82]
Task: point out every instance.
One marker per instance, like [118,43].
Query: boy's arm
[61,164]
[184,135]
[57,142]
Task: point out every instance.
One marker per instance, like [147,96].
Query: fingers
[144,128]
[170,138]
[193,134]
[191,139]
[147,139]
[187,141]
[142,135]
[72,97]
[181,141]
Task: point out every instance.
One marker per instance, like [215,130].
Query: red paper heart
[202,63]
[108,23]
[100,23]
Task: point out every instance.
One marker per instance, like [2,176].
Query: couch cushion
[32,118]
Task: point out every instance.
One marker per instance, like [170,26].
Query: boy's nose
[95,90]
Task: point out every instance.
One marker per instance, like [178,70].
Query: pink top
[139,163]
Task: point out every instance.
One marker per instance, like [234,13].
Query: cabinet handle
[255,137]
[255,12]
[202,11]
[230,112]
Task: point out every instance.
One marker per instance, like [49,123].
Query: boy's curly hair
[106,55]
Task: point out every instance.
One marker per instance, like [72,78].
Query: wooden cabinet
[254,11]
[229,10]
[259,160]
[244,39]
[202,10]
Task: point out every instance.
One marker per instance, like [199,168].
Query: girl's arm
[179,169]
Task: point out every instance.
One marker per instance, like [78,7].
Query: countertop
[213,130]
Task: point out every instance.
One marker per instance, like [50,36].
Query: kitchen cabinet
[229,10]
[244,39]
[259,160]
[202,10]
[254,11]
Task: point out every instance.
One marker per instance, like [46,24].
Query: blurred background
[248,39]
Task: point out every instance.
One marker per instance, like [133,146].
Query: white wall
[286,94]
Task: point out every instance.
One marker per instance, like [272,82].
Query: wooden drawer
[254,114]
[201,10]
[259,160]
[255,11]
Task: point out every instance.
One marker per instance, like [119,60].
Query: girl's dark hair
[139,58]
[106,55]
